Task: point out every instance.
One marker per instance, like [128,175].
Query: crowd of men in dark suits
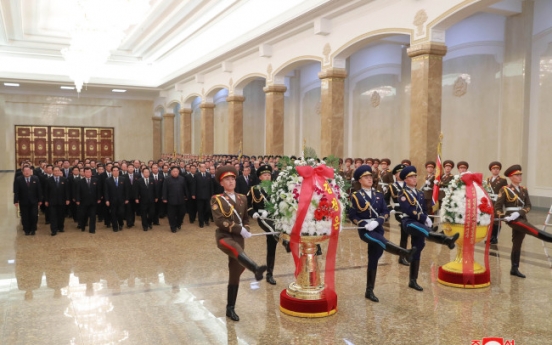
[115,192]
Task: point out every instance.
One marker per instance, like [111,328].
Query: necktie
[130,177]
[57,181]
[146,182]
[116,182]
[155,178]
[203,174]
[247,180]
[28,183]
[88,181]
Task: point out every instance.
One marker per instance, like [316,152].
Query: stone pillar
[168,133]
[185,131]
[425,103]
[207,128]
[235,122]
[275,119]
[332,114]
[156,137]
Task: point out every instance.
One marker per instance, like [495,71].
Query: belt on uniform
[512,209]
[427,188]
[493,197]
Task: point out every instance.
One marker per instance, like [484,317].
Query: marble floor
[156,287]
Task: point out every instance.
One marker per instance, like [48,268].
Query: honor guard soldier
[417,223]
[393,192]
[428,186]
[369,211]
[513,204]
[230,215]
[462,166]
[447,176]
[386,176]
[256,201]
[495,182]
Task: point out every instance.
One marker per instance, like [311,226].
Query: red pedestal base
[309,308]
[481,280]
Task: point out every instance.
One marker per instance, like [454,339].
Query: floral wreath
[454,203]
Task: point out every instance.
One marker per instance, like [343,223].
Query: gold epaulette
[409,198]
[361,209]
[225,214]
[393,195]
[253,198]
[510,195]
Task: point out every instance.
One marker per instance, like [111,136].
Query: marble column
[185,130]
[168,133]
[235,122]
[425,102]
[156,137]
[274,119]
[332,111]
[207,128]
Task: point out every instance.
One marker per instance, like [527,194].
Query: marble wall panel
[196,129]
[310,119]
[221,127]
[130,118]
[543,133]
[254,118]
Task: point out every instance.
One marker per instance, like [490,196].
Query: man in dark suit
[191,205]
[73,181]
[132,177]
[146,198]
[87,198]
[202,192]
[102,177]
[43,177]
[244,182]
[116,197]
[160,207]
[175,195]
[28,196]
[57,198]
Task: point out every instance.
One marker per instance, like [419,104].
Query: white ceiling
[175,37]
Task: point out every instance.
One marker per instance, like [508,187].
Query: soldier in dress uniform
[369,211]
[393,192]
[417,222]
[386,176]
[375,174]
[462,166]
[406,162]
[348,170]
[230,214]
[496,182]
[428,186]
[447,176]
[513,204]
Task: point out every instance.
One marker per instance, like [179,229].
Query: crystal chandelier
[98,27]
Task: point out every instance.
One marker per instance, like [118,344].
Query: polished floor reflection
[156,287]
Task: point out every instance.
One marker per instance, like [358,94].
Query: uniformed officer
[513,204]
[230,215]
[256,201]
[496,182]
[369,211]
[462,166]
[447,176]
[428,186]
[417,222]
[393,192]
[386,176]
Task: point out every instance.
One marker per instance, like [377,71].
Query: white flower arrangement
[284,200]
[453,209]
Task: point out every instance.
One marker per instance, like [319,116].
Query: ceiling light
[11,84]
[67,87]
[118,90]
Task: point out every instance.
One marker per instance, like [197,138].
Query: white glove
[371,226]
[428,222]
[245,233]
[392,212]
[508,219]
[264,214]
[427,182]
[255,215]
[513,216]
[435,181]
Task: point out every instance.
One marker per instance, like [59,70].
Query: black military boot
[246,262]
[370,283]
[414,268]
[443,239]
[269,270]
[514,271]
[404,254]
[286,245]
[231,298]
[403,243]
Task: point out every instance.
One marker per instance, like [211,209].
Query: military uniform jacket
[255,199]
[364,208]
[229,216]
[428,188]
[443,184]
[496,186]
[393,192]
[412,204]
[511,200]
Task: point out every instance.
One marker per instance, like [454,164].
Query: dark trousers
[117,214]
[203,211]
[271,243]
[57,217]
[106,214]
[100,210]
[232,245]
[176,215]
[191,209]
[74,211]
[161,209]
[29,217]
[376,244]
[418,233]
[146,212]
[88,215]
[130,212]
[46,213]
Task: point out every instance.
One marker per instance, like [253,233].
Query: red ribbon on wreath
[311,178]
